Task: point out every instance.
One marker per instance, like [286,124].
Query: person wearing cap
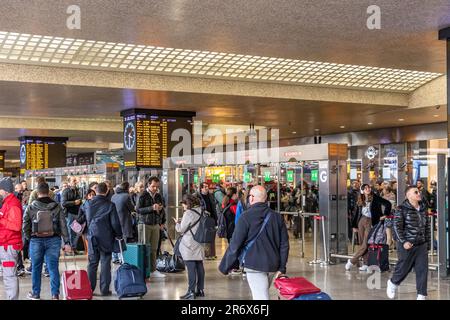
[371,208]
[10,237]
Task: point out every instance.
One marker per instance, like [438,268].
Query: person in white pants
[10,237]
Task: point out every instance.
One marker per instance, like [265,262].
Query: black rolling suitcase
[379,256]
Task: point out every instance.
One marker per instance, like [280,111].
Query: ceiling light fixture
[58,51]
[401,119]
[294,132]
[342,127]
[435,115]
[370,123]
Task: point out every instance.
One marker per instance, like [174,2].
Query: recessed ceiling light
[370,123]
[316,129]
[342,127]
[435,115]
[294,132]
[401,119]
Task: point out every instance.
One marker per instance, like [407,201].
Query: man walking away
[208,204]
[152,218]
[124,207]
[44,225]
[412,229]
[71,201]
[103,231]
[10,237]
[262,236]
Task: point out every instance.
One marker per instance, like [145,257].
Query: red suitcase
[75,284]
[291,288]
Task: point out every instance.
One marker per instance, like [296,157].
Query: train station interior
[306,98]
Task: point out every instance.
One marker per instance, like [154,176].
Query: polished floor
[333,279]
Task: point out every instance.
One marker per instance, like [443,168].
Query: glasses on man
[416,192]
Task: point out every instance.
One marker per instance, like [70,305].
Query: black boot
[190,295]
[200,293]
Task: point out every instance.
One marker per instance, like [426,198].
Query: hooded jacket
[11,222]
[412,225]
[45,204]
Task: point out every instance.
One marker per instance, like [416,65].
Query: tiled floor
[331,279]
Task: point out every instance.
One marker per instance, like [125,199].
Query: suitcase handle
[121,250]
[73,259]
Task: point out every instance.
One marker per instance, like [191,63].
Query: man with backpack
[260,244]
[103,231]
[10,237]
[44,225]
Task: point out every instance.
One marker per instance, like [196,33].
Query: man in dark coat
[124,207]
[208,204]
[103,231]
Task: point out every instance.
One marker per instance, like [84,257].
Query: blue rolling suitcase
[129,281]
[313,296]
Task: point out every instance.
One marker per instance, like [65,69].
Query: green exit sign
[216,178]
[247,177]
[195,178]
[181,179]
[314,175]
[290,176]
[267,176]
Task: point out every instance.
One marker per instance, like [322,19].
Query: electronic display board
[2,160]
[42,152]
[147,135]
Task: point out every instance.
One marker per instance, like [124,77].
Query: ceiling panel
[319,30]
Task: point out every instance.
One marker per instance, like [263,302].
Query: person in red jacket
[10,237]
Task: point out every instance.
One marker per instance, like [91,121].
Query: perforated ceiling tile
[16,47]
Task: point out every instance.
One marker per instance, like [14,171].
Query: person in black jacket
[412,228]
[208,203]
[152,219]
[71,201]
[352,199]
[371,208]
[103,231]
[269,250]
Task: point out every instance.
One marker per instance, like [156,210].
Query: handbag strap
[251,242]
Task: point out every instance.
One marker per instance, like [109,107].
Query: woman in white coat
[191,251]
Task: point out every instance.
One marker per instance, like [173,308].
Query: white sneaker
[157,274]
[391,289]
[364,267]
[348,265]
[421,297]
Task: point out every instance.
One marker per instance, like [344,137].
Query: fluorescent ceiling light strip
[129,57]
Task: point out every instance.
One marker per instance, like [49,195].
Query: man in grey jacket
[45,245]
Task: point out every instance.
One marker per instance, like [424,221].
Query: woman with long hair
[388,194]
[370,210]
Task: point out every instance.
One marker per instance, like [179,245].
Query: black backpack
[206,231]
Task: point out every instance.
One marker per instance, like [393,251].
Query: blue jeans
[49,249]
[73,236]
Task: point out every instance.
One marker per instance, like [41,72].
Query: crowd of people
[42,224]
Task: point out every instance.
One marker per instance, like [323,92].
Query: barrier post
[315,260]
[303,233]
[326,260]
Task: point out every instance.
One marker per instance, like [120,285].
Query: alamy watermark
[73,21]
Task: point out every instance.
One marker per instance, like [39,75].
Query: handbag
[291,288]
[77,227]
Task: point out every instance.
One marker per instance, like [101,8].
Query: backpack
[377,234]
[43,224]
[206,231]
[222,223]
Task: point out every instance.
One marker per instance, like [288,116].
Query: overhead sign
[2,160]
[266,176]
[147,135]
[290,176]
[371,152]
[42,152]
[314,175]
[247,177]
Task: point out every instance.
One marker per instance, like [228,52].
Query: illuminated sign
[371,152]
[247,177]
[267,176]
[147,135]
[290,176]
[195,178]
[314,175]
[42,152]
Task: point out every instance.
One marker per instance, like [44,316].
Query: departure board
[2,160]
[147,135]
[42,153]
